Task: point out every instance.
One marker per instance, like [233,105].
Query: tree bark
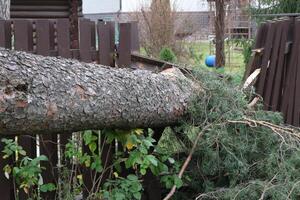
[220,33]
[50,95]
[4,9]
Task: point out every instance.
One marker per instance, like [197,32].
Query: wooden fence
[52,38]
[277,55]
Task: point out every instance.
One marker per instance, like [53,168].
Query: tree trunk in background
[4,9]
[220,32]
[40,95]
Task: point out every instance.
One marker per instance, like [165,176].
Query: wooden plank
[5,34]
[43,37]
[265,59]
[105,43]
[279,76]
[48,147]
[6,185]
[292,76]
[296,118]
[85,40]
[273,65]
[135,40]
[124,49]
[63,38]
[286,72]
[23,35]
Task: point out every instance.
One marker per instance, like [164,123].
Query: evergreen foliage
[276,6]
[167,54]
[241,155]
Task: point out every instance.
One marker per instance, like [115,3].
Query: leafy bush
[167,54]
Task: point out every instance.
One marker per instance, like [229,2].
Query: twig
[186,162]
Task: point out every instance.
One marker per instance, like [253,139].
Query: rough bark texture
[4,9]
[49,95]
[220,33]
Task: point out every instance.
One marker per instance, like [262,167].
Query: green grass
[235,65]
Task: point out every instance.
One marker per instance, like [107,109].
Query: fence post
[43,37]
[85,40]
[23,35]
[124,49]
[63,38]
[106,43]
[5,34]
[135,40]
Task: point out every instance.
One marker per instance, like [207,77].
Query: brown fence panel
[43,37]
[48,147]
[273,64]
[23,35]
[6,185]
[124,49]
[5,34]
[85,40]
[135,40]
[63,38]
[290,81]
[281,65]
[106,41]
[296,117]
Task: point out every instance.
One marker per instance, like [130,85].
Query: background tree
[275,6]
[220,32]
[4,9]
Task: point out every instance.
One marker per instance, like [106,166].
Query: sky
[100,6]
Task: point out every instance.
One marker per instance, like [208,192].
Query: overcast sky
[100,6]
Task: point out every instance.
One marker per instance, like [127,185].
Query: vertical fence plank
[265,59]
[23,35]
[48,147]
[290,80]
[63,38]
[106,43]
[273,64]
[85,40]
[5,34]
[6,185]
[279,77]
[43,37]
[135,40]
[296,117]
[124,49]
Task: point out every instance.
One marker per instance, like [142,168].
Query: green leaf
[178,182]
[152,160]
[47,187]
[137,195]
[93,147]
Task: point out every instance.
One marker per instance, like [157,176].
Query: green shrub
[167,55]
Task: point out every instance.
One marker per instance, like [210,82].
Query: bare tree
[4,9]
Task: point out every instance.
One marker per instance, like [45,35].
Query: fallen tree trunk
[49,95]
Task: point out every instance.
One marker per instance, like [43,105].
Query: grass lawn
[235,65]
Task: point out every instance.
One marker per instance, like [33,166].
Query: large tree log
[49,95]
